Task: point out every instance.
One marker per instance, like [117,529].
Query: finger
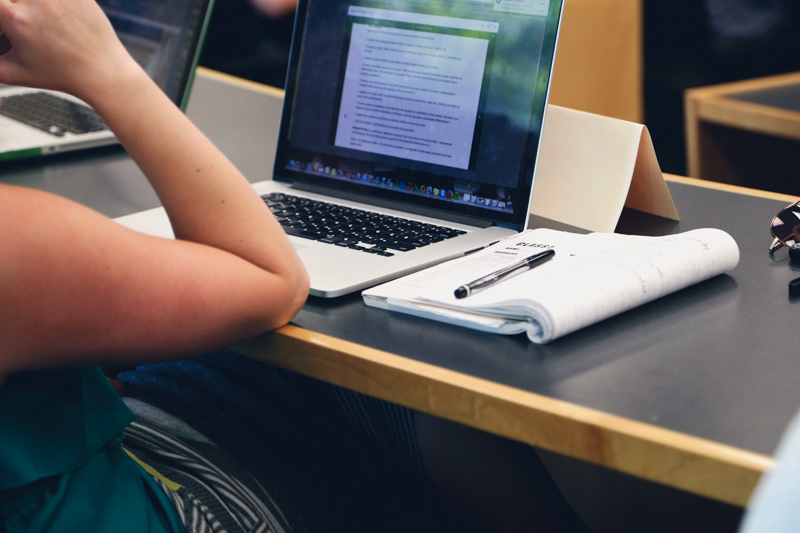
[9,69]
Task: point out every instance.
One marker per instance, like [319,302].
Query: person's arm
[275,8]
[77,287]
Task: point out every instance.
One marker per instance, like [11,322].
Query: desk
[746,133]
[692,391]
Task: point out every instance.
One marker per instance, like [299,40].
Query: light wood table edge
[735,189]
[242,83]
[744,86]
[748,116]
[692,464]
[691,129]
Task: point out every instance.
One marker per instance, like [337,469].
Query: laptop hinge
[391,204]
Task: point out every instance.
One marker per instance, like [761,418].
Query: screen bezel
[187,78]
[186,69]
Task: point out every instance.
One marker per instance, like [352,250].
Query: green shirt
[61,465]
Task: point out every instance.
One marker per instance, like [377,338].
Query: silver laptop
[409,133]
[164,36]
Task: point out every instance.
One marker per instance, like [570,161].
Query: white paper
[590,278]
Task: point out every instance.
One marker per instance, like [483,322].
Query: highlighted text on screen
[411,94]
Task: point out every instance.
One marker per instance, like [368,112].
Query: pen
[504,273]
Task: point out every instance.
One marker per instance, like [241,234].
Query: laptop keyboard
[353,228]
[51,114]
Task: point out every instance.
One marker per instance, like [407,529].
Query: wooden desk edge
[735,189]
[713,105]
[742,115]
[744,86]
[215,75]
[699,466]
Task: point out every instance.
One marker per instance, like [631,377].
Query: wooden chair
[599,59]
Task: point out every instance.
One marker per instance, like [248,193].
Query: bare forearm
[78,288]
[206,197]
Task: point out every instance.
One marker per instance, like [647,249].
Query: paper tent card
[591,166]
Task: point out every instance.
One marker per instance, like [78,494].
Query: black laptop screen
[433,103]
[163,36]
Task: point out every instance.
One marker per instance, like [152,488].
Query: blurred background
[630,59]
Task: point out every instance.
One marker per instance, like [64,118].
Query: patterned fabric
[332,461]
[215,495]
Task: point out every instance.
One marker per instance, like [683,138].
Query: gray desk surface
[784,97]
[717,361]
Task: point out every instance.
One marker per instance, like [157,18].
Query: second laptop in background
[165,37]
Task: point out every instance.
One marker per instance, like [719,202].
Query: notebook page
[591,277]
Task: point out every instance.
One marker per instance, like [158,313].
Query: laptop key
[400,247]
[301,233]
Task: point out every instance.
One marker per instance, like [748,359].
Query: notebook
[164,36]
[409,133]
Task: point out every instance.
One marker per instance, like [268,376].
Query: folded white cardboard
[590,166]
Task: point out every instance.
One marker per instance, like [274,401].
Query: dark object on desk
[794,287]
[504,273]
[785,227]
[794,252]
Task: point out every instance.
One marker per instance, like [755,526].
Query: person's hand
[275,8]
[66,45]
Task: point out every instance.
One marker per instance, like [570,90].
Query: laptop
[409,133]
[164,36]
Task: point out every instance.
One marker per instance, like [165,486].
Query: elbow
[302,285]
[295,294]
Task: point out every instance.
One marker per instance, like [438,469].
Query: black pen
[504,273]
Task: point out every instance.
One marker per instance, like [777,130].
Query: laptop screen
[436,103]
[163,36]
